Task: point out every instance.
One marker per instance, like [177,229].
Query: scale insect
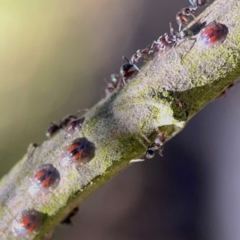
[79,152]
[45,179]
[26,223]
[213,34]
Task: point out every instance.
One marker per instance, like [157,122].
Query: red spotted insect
[45,179]
[26,223]
[79,152]
[213,34]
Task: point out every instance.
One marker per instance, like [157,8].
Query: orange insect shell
[44,180]
[26,223]
[79,152]
[213,34]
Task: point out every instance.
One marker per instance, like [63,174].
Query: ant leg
[180,27]
[192,3]
[159,141]
[145,137]
[172,31]
[193,39]
[125,59]
[140,141]
[192,15]
[123,81]
[147,148]
[82,110]
[135,66]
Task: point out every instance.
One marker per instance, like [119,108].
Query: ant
[162,42]
[189,33]
[156,146]
[140,54]
[167,40]
[68,219]
[54,128]
[66,120]
[130,69]
[183,16]
[210,34]
[73,125]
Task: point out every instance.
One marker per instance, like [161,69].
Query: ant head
[52,129]
[125,68]
[150,154]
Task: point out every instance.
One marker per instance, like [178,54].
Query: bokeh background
[54,57]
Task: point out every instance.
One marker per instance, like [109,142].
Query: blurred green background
[54,57]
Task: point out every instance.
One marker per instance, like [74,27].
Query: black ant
[63,124]
[68,219]
[66,120]
[52,129]
[130,69]
[156,146]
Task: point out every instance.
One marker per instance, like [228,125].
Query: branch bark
[164,96]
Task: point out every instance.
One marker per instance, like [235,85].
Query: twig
[168,92]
